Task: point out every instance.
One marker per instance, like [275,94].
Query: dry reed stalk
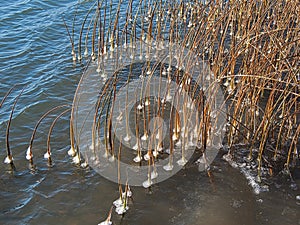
[9,156]
[48,153]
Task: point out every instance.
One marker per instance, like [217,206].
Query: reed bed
[158,65]
[252,49]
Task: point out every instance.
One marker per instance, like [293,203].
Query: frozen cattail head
[136,146]
[8,159]
[154,175]
[159,147]
[76,159]
[169,97]
[138,158]
[127,193]
[168,167]
[105,223]
[147,156]
[147,102]
[86,52]
[226,84]
[29,153]
[47,155]
[74,57]
[147,183]
[93,56]
[155,153]
[182,161]
[121,204]
[229,90]
[72,151]
[108,219]
[127,138]
[175,136]
[121,209]
[140,107]
[145,137]
[112,158]
[84,165]
[118,202]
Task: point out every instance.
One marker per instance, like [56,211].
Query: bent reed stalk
[9,156]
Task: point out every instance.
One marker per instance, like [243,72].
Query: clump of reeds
[258,63]
[252,49]
[29,153]
[130,55]
[47,155]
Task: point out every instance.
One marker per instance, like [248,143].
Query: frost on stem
[8,160]
[29,154]
[72,151]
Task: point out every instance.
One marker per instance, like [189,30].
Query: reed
[9,156]
[47,155]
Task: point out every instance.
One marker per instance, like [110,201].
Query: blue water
[35,51]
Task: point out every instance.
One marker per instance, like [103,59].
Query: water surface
[36,51]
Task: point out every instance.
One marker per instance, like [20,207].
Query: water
[35,50]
